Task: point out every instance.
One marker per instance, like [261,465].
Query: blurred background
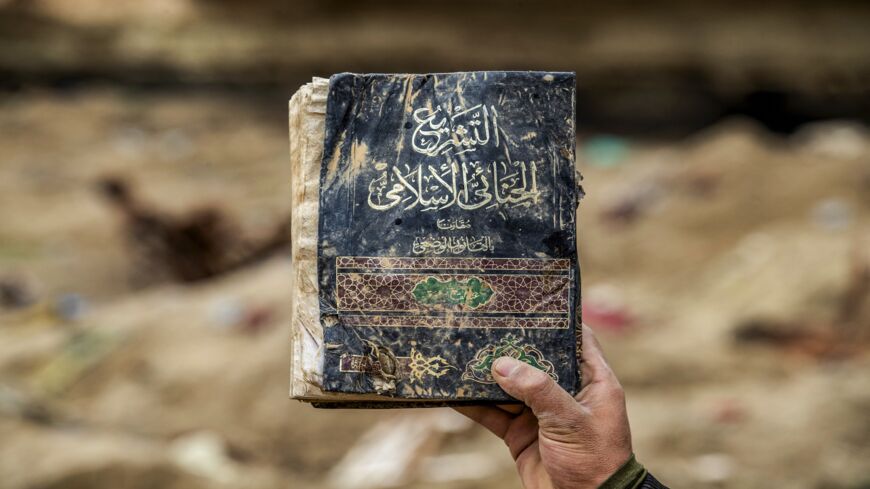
[144,278]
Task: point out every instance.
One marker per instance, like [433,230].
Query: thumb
[536,389]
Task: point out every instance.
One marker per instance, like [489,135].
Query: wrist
[628,475]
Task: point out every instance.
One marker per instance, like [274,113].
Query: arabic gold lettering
[464,130]
[456,245]
[469,185]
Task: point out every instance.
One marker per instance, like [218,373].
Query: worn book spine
[307,111]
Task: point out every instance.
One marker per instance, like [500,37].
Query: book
[433,231]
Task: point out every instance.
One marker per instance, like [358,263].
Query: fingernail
[505,366]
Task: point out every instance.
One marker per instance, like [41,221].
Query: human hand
[559,441]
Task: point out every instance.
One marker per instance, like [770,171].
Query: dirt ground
[683,243]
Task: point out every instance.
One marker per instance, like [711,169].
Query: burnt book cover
[447,232]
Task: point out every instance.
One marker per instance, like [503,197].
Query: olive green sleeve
[630,476]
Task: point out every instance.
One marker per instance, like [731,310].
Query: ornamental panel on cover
[446,233]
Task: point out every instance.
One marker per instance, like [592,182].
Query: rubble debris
[701,184]
[832,214]
[729,411]
[604,308]
[199,245]
[627,205]
[70,307]
[834,139]
[451,467]
[257,319]
[395,451]
[810,340]
[204,453]
[226,313]
[713,467]
[605,151]
[82,352]
[854,307]
[14,402]
[174,145]
[232,314]
[15,293]
[846,334]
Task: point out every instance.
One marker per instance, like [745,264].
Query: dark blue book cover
[447,232]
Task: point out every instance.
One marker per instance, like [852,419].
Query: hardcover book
[433,231]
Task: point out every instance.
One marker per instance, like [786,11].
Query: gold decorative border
[453,263]
[517,293]
[488,322]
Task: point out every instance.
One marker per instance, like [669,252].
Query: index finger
[492,418]
[594,367]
